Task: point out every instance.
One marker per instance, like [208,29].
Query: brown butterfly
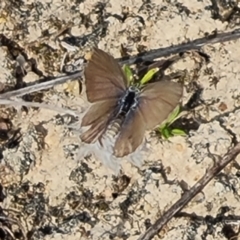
[142,109]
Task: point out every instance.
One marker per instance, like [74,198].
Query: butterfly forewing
[131,134]
[158,100]
[104,77]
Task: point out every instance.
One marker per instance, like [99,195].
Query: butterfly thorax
[129,101]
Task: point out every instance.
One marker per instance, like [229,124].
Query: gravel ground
[48,191]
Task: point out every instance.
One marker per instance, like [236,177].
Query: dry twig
[147,56]
[181,48]
[189,195]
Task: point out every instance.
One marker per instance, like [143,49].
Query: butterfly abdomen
[114,127]
[113,130]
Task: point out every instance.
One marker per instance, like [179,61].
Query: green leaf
[149,75]
[173,116]
[128,73]
[162,126]
[166,133]
[178,132]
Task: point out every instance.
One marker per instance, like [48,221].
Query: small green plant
[165,129]
[146,78]
[128,73]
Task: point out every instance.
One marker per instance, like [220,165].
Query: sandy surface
[57,196]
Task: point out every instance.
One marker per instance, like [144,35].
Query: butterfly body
[126,104]
[125,109]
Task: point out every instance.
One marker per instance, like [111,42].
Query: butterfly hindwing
[98,110]
[98,116]
[131,134]
[95,131]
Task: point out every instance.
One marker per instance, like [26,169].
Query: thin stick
[153,54]
[20,103]
[41,86]
[193,45]
[189,195]
[11,220]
